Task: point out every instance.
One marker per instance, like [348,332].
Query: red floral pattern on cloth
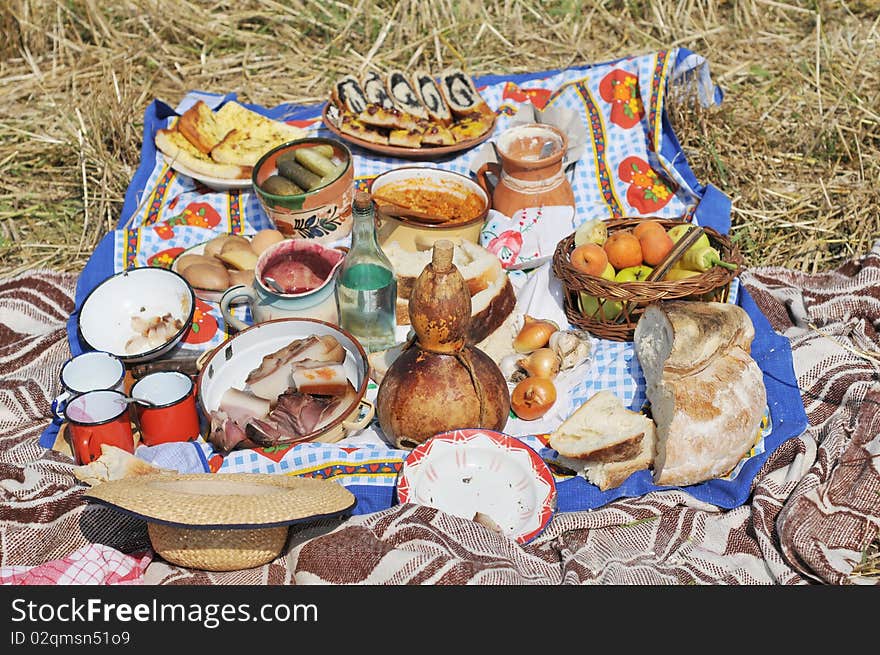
[506,246]
[647,192]
[621,89]
[538,97]
[204,325]
[198,214]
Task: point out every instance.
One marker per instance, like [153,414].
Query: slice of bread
[177,148]
[602,429]
[604,441]
[200,127]
[429,93]
[249,135]
[607,475]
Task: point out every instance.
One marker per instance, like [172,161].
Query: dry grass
[795,143]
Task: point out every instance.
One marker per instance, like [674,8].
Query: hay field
[794,144]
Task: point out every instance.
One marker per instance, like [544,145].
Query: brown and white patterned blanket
[814,509]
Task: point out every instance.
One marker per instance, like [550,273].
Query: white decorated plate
[215,183]
[474,472]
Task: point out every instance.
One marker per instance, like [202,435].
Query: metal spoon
[272,282]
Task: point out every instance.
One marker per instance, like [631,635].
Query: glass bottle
[366,290]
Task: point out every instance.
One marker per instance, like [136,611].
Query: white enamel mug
[95,370]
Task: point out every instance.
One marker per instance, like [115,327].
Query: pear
[592,231]
[590,304]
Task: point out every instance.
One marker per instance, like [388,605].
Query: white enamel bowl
[104,320]
[229,364]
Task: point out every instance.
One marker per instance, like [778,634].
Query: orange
[623,250]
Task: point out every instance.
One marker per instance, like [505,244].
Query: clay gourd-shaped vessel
[439,383]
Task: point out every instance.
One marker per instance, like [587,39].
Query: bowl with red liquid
[295,278]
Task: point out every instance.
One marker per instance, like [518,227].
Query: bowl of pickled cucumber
[305,187]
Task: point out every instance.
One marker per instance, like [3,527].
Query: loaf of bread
[706,392]
[492,295]
[605,441]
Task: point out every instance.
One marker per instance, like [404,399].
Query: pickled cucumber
[296,172]
[280,186]
[315,161]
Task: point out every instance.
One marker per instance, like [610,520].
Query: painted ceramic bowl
[322,214]
[457,206]
[481,475]
[138,315]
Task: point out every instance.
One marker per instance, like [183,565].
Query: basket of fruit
[611,270]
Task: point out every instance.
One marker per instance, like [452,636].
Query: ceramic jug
[530,173]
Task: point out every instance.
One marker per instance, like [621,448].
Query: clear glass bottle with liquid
[366,289]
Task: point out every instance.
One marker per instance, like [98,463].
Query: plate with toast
[413,116]
[219,148]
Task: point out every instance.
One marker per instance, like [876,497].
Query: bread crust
[707,393]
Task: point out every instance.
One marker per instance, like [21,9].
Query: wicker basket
[713,284]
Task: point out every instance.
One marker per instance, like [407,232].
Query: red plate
[425,152]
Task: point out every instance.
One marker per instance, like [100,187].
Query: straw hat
[221,522]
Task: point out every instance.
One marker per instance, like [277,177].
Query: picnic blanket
[627,161]
[813,509]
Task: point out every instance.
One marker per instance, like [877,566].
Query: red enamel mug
[166,407]
[95,418]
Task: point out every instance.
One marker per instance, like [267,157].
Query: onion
[532,398]
[535,333]
[541,363]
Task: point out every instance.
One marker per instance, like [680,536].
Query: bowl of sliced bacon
[283,382]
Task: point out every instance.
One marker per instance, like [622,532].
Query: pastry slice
[429,93]
[405,138]
[403,95]
[348,95]
[351,126]
[375,91]
[390,119]
[471,127]
[435,134]
[461,94]
[200,127]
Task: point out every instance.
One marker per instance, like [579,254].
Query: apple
[590,304]
[593,231]
[590,307]
[633,273]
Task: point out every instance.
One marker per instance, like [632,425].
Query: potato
[185,261]
[213,247]
[235,242]
[241,277]
[207,276]
[265,238]
[240,258]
